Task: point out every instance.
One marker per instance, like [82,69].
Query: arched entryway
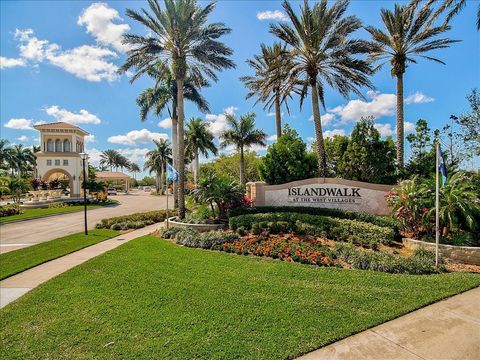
[62,175]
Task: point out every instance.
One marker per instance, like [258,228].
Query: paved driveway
[26,233]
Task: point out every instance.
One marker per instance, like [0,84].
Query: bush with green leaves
[361,233]
[10,209]
[421,262]
[206,240]
[147,218]
[287,160]
[57,205]
[384,221]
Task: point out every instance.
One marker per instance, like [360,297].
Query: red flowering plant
[410,203]
[308,250]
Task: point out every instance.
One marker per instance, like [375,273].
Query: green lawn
[16,261]
[33,213]
[153,299]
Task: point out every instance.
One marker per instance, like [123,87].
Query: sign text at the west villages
[325,195]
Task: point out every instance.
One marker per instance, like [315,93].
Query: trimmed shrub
[206,240]
[57,205]
[241,231]
[357,232]
[138,219]
[10,209]
[385,221]
[421,262]
[169,233]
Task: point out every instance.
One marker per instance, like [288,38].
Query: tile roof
[58,125]
[111,175]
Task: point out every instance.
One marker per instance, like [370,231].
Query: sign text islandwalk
[319,194]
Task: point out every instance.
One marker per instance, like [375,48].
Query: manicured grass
[19,260]
[153,299]
[33,213]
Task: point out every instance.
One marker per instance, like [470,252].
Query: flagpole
[437,204]
[166,189]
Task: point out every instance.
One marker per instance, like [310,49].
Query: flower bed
[361,233]
[10,209]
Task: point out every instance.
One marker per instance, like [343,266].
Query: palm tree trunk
[400,131]
[181,150]
[161,178]
[278,115]
[175,158]
[196,174]
[322,162]
[242,167]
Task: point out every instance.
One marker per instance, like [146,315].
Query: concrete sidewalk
[15,286]
[449,329]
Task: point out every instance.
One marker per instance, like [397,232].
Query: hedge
[357,232]
[193,238]
[10,209]
[134,221]
[385,221]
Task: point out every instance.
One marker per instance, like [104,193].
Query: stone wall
[463,254]
[323,192]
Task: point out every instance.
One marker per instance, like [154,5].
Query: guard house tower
[59,156]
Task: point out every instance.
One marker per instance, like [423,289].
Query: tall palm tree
[182,42]
[409,33]
[134,168]
[270,83]
[22,159]
[109,158]
[122,162]
[157,160]
[5,154]
[164,96]
[198,139]
[242,133]
[324,54]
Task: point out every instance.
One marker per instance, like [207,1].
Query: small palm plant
[242,134]
[198,139]
[270,83]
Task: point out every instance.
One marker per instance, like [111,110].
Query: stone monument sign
[322,192]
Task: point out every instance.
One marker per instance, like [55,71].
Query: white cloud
[98,19]
[165,123]
[387,130]
[86,62]
[23,138]
[231,110]
[136,136]
[272,15]
[332,133]
[19,124]
[94,156]
[273,114]
[82,117]
[326,118]
[10,62]
[418,98]
[136,155]
[90,138]
[380,105]
[272,138]
[217,124]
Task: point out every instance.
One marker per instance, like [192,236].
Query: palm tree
[122,162]
[109,158]
[157,160]
[164,96]
[22,159]
[408,34]
[270,82]
[134,168]
[198,140]
[5,154]
[323,53]
[182,42]
[241,134]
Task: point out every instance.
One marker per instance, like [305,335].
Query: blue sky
[59,60]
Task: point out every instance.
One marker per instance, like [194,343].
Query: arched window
[58,145]
[50,145]
[66,146]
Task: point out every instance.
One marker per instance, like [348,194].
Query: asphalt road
[21,234]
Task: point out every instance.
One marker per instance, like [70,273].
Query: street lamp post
[84,157]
